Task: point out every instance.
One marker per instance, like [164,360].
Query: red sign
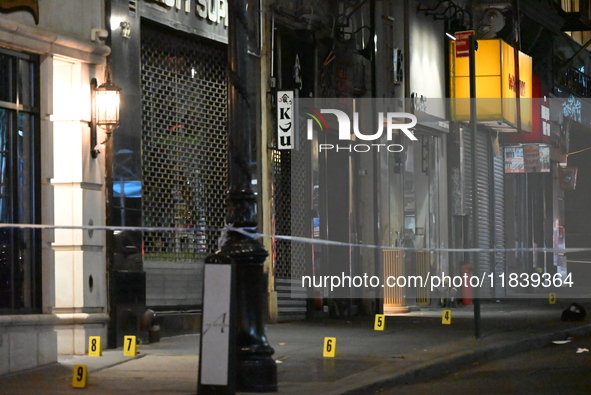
[531,158]
[463,43]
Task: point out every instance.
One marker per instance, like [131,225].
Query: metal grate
[282,222]
[300,206]
[483,190]
[183,143]
[393,266]
[499,222]
[422,270]
[290,214]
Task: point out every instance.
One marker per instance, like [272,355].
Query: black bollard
[256,370]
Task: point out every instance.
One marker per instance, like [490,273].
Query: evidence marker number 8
[95,348]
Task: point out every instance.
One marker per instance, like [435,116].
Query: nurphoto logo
[391,122]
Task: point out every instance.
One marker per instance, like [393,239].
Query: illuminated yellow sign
[498,84]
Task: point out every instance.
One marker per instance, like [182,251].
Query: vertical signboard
[545,118]
[216,351]
[498,88]
[463,43]
[516,69]
[285,120]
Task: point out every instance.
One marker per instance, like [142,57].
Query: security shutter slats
[484,181]
[499,220]
[184,156]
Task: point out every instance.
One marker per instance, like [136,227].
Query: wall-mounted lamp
[125,29]
[104,110]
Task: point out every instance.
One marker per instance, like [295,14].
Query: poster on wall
[514,159]
[527,158]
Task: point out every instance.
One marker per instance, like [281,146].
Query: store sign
[571,108]
[212,10]
[418,103]
[514,160]
[527,158]
[20,5]
[514,88]
[463,43]
[175,3]
[285,120]
[567,178]
[542,126]
[423,109]
[536,158]
[498,89]
[545,117]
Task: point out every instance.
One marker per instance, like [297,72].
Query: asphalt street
[553,369]
[415,354]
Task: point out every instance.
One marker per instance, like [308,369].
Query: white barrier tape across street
[250,233]
[343,244]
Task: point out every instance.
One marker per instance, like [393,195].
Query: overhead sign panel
[463,43]
[503,86]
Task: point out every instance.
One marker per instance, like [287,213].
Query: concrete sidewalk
[412,345]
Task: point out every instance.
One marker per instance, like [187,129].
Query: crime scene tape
[250,232]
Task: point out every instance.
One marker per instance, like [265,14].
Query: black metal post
[256,370]
[473,126]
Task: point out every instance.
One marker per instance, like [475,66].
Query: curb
[121,362]
[358,384]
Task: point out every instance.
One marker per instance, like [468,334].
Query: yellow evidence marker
[330,347]
[129,346]
[446,317]
[95,349]
[380,323]
[552,298]
[79,376]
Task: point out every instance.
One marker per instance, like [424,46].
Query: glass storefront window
[19,183]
